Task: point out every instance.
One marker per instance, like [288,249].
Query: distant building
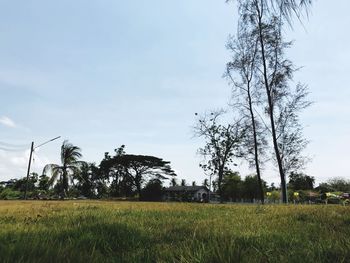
[186,193]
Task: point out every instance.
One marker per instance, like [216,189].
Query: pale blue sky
[106,73]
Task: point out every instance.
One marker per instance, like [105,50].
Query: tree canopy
[136,168]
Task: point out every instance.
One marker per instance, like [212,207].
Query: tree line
[118,175]
[141,177]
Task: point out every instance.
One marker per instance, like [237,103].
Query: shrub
[8,194]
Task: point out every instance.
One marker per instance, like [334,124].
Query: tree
[286,9]
[44,182]
[194,183]
[120,185]
[263,21]
[214,185]
[232,186]
[242,71]
[20,184]
[70,164]
[290,132]
[339,184]
[173,182]
[183,182]
[300,181]
[136,168]
[153,191]
[206,183]
[87,178]
[250,189]
[222,144]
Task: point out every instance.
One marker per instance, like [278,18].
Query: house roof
[179,188]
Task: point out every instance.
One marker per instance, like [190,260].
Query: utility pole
[28,171]
[30,161]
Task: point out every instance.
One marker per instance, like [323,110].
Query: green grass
[93,231]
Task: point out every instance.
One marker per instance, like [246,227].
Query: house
[186,193]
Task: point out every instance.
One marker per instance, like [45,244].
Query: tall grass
[94,231]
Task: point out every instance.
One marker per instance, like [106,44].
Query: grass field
[93,231]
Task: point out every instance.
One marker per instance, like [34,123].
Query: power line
[13,150]
[10,145]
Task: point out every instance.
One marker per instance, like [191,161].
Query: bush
[8,194]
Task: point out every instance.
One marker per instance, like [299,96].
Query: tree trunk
[256,153]
[220,175]
[138,185]
[271,106]
[64,183]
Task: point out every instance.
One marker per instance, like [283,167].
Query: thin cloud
[6,121]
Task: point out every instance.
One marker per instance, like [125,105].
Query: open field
[93,231]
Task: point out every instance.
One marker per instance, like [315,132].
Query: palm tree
[70,165]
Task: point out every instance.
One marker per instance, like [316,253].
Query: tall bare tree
[242,72]
[263,21]
[290,132]
[286,9]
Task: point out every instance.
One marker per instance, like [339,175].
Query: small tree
[44,182]
[206,183]
[232,186]
[173,182]
[250,189]
[223,143]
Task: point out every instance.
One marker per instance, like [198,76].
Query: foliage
[70,165]
[222,144]
[300,181]
[235,189]
[339,184]
[232,186]
[264,76]
[20,184]
[153,191]
[173,182]
[289,130]
[274,196]
[286,9]
[251,187]
[133,170]
[87,179]
[44,182]
[9,194]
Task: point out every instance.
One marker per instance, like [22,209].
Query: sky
[106,73]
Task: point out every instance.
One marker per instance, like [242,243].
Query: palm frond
[49,168]
[70,153]
[54,176]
